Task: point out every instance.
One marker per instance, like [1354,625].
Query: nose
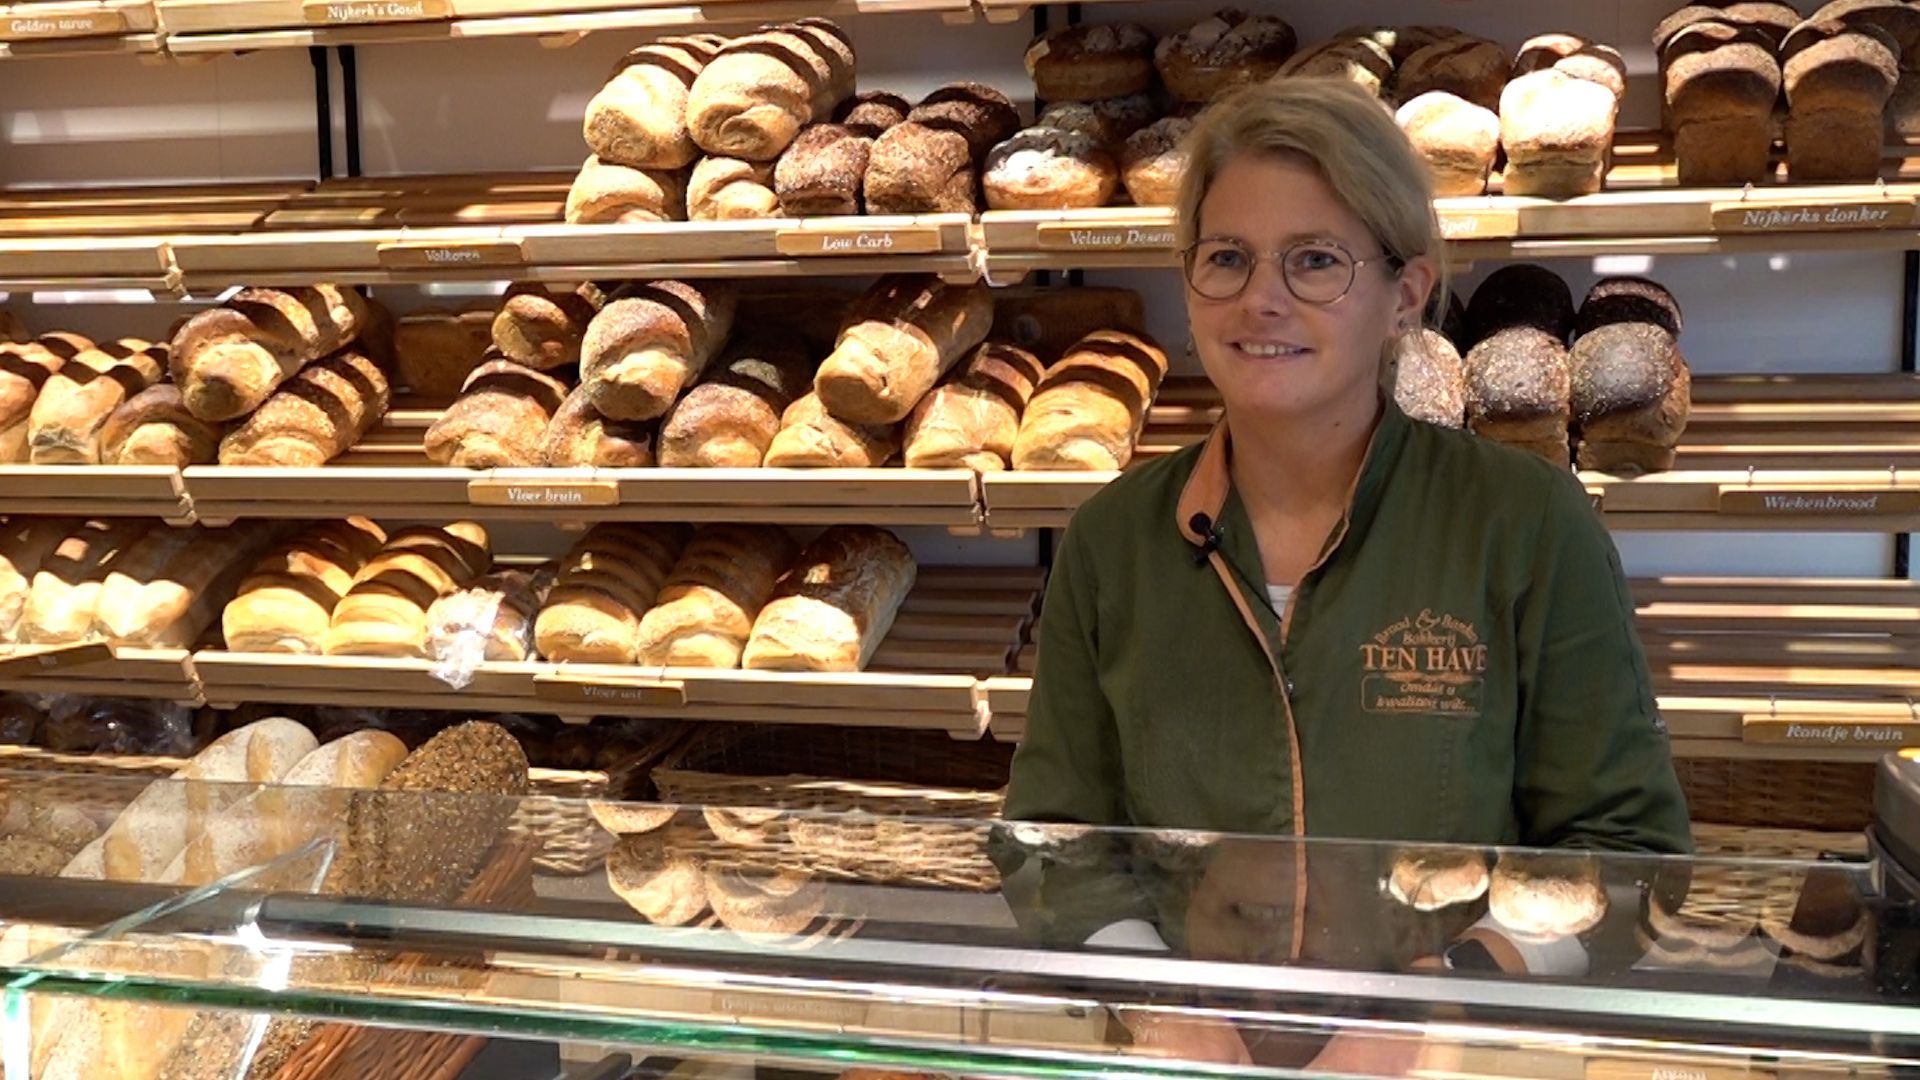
[1267,293]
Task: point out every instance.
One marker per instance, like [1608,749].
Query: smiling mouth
[1261,350]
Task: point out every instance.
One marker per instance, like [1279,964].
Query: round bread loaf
[1429,378]
[1521,294]
[1154,161]
[1429,879]
[1627,299]
[1045,168]
[1111,122]
[1090,61]
[1550,896]
[1401,42]
[1222,53]
[1359,60]
[1467,67]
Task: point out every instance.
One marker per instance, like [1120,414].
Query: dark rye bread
[1838,79]
[1631,394]
[1429,379]
[1771,19]
[1721,83]
[1900,20]
[1519,390]
[931,162]
[1523,294]
[1628,299]
[1469,68]
[426,848]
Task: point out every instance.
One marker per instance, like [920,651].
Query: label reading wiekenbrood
[1750,217]
[1819,503]
[537,494]
[349,12]
[82,24]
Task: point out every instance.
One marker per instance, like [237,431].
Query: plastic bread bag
[491,621]
[82,725]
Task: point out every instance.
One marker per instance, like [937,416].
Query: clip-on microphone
[1210,538]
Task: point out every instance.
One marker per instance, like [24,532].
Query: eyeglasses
[1316,271]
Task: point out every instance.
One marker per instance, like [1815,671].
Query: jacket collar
[1204,501]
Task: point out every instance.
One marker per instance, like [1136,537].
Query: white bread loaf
[835,606]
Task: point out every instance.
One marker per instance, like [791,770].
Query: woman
[1330,620]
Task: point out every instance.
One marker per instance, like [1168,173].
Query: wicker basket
[1816,795]
[912,796]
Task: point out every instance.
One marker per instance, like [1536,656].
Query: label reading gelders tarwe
[86,24]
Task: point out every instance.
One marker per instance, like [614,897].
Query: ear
[1416,283]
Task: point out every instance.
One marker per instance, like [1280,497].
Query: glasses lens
[1218,269]
[1319,273]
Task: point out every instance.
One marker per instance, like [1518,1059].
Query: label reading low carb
[353,12]
[1764,217]
[910,240]
[78,24]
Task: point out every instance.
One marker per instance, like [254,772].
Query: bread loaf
[1428,378]
[316,417]
[823,170]
[228,359]
[1044,168]
[1521,294]
[1048,322]
[1839,79]
[811,438]
[160,594]
[607,581]
[753,99]
[1089,409]
[1222,53]
[420,849]
[385,612]
[835,605]
[25,544]
[972,420]
[285,604]
[1361,61]
[1087,62]
[1630,397]
[155,427]
[705,610]
[437,350]
[500,420]
[643,349]
[1458,139]
[1774,20]
[1573,55]
[1557,130]
[639,118]
[1900,21]
[730,189]
[542,328]
[1469,68]
[730,419]
[608,194]
[1109,123]
[76,402]
[1628,299]
[579,437]
[492,618]
[1519,391]
[898,340]
[25,368]
[1154,160]
[1721,83]
[66,589]
[930,163]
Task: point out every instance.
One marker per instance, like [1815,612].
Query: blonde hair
[1344,132]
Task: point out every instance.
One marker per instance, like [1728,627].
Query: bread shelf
[75,27]
[95,491]
[1813,453]
[94,669]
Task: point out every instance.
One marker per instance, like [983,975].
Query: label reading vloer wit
[78,24]
[1761,217]
[351,12]
[538,494]
[1839,503]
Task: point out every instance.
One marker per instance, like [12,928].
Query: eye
[1314,258]
[1224,257]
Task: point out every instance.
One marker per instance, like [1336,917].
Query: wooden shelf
[97,670]
[1813,453]
[95,491]
[78,27]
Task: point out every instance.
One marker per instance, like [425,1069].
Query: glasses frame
[1280,258]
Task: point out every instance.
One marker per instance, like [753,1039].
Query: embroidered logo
[1425,663]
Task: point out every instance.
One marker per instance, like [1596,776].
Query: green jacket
[1461,666]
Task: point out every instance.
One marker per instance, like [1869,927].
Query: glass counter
[375,933]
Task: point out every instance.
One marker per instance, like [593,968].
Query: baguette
[286,602]
[608,580]
[25,369]
[705,611]
[730,419]
[64,426]
[315,418]
[643,349]
[579,437]
[900,338]
[227,360]
[1089,409]
[155,427]
[500,420]
[385,612]
[835,606]
[810,438]
[25,545]
[66,589]
[972,420]
[160,595]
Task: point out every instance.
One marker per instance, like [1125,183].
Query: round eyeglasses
[1316,271]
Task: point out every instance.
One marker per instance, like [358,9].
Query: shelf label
[492,491]
[1780,730]
[1488,224]
[584,690]
[912,240]
[1764,217]
[1069,237]
[1597,496]
[351,12]
[32,660]
[78,24]
[450,256]
[1830,503]
[1627,1069]
[799,1010]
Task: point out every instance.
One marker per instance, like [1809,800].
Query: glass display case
[405,934]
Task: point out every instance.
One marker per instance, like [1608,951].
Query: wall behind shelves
[514,104]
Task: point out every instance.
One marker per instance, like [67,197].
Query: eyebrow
[1285,241]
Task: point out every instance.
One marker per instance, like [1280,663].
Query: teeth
[1270,351]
